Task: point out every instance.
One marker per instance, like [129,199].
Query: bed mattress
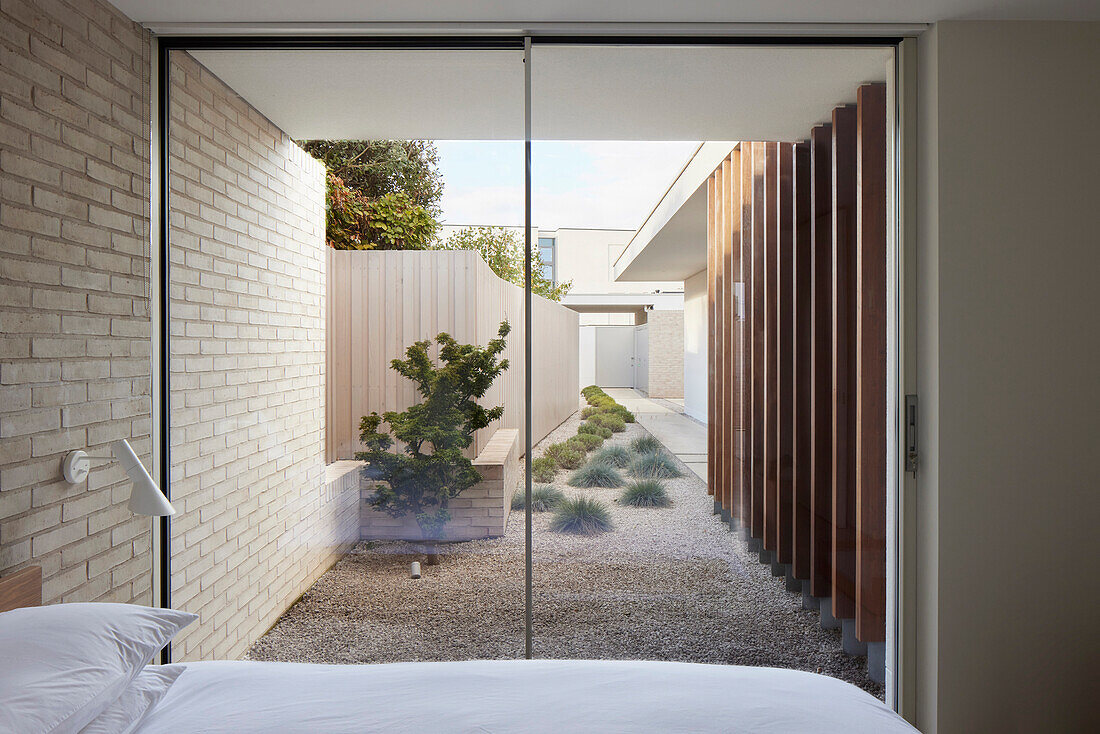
[559,696]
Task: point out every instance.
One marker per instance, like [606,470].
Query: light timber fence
[380,302]
[797,399]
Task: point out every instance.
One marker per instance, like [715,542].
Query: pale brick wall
[479,512]
[74,318]
[255,525]
[666,354]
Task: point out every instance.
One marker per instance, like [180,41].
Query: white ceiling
[533,11]
[578,92]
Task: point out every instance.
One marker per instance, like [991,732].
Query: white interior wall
[695,346]
[1007,376]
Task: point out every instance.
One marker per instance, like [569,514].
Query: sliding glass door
[492,348]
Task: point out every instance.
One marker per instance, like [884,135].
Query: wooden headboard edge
[23,588]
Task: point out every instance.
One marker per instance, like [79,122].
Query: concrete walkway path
[665,419]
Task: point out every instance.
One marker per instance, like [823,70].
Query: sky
[612,185]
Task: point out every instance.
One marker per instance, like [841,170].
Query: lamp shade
[145,496]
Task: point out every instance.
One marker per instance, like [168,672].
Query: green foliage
[565,455]
[596,474]
[645,493]
[611,421]
[543,469]
[646,444]
[576,443]
[581,516]
[657,465]
[616,456]
[543,499]
[590,440]
[505,255]
[431,469]
[602,432]
[374,168]
[389,222]
[591,390]
[618,410]
[590,411]
[591,428]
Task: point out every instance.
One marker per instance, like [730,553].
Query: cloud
[575,184]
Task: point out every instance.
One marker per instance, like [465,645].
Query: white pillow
[61,665]
[124,715]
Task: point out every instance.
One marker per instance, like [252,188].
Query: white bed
[84,669]
[559,696]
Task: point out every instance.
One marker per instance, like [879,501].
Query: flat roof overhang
[623,302]
[672,242]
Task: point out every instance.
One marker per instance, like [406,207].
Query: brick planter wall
[479,512]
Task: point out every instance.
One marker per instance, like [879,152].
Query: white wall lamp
[145,496]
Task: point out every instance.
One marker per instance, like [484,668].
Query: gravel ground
[665,584]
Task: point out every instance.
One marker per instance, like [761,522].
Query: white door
[615,356]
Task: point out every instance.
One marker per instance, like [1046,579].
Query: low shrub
[590,440]
[588,428]
[646,444]
[543,469]
[543,499]
[657,465]
[622,412]
[611,421]
[645,493]
[575,442]
[581,516]
[596,474]
[603,432]
[617,456]
[590,411]
[565,455]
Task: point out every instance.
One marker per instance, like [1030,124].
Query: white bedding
[559,696]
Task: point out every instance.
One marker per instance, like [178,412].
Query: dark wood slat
[724,407]
[732,173]
[821,359]
[871,425]
[712,270]
[803,369]
[718,355]
[746,332]
[784,384]
[771,352]
[759,211]
[844,362]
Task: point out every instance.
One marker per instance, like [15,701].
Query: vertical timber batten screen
[380,302]
[797,428]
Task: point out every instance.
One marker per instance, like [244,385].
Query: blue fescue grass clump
[596,474]
[543,499]
[616,456]
[581,516]
[657,465]
[645,445]
[645,493]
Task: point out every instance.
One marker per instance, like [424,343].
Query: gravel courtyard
[664,584]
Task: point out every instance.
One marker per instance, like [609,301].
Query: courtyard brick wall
[257,523]
[666,354]
[75,360]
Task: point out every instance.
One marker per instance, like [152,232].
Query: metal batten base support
[827,620]
[809,601]
[876,661]
[848,640]
[793,585]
